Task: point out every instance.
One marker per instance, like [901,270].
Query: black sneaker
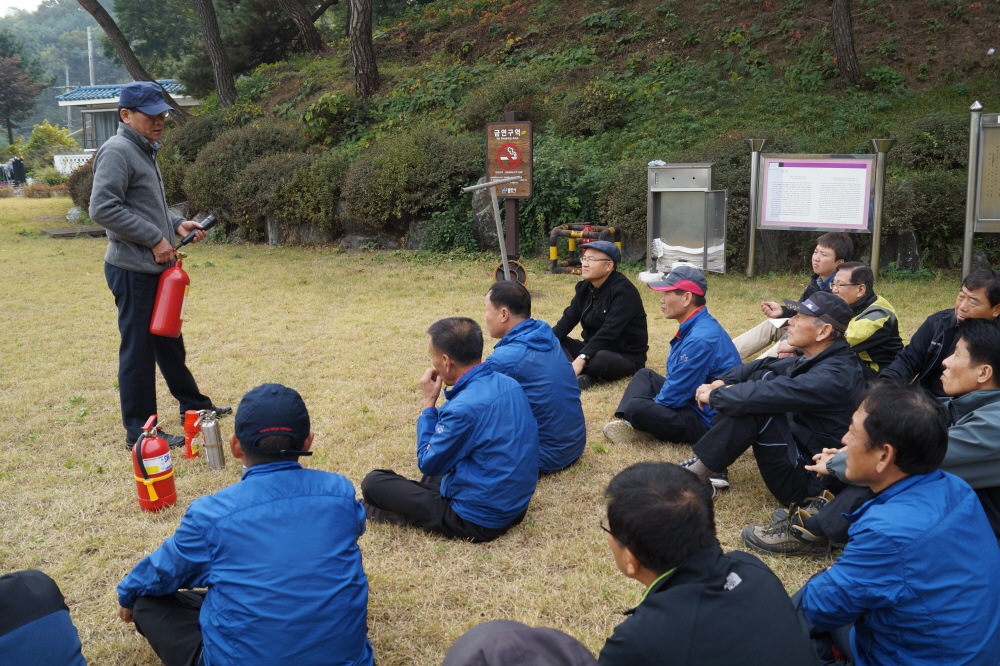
[585,381]
[786,537]
[173,441]
[720,480]
[812,505]
[221,410]
[383,517]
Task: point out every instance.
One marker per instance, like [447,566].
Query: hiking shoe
[720,480]
[786,537]
[620,431]
[381,516]
[812,505]
[173,441]
[585,381]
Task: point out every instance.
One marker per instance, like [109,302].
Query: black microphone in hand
[206,224]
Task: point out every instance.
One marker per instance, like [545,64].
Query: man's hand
[771,309]
[125,614]
[704,392]
[430,384]
[187,227]
[785,350]
[578,365]
[163,251]
[821,460]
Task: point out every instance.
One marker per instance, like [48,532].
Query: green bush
[207,182]
[312,193]
[50,176]
[81,181]
[250,198]
[937,141]
[409,175]
[192,136]
[172,169]
[601,105]
[512,90]
[329,117]
[933,205]
[886,78]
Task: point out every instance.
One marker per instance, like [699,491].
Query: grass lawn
[347,331]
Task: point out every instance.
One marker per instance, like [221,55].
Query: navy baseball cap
[685,278]
[272,409]
[146,96]
[830,308]
[607,247]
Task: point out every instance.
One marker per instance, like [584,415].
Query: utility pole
[90,54]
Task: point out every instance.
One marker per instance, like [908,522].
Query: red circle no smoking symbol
[508,157]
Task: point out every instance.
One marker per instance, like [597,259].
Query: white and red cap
[685,278]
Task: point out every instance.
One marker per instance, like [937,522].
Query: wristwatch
[584,357]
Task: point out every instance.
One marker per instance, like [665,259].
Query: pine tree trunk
[303,21]
[225,88]
[362,49]
[124,50]
[843,42]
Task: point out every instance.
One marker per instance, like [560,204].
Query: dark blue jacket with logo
[918,578]
[531,354]
[279,554]
[484,441]
[700,352]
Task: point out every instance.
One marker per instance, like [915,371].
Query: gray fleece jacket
[129,201]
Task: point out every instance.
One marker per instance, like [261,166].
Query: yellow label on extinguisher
[184,303]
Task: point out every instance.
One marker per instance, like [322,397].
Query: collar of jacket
[525,326]
[703,566]
[685,327]
[269,468]
[463,381]
[824,285]
[803,363]
[892,491]
[614,278]
[970,402]
[139,140]
[862,304]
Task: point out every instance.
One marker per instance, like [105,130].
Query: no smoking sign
[508,153]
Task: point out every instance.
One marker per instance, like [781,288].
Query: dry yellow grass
[347,331]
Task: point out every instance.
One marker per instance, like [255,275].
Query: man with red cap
[665,407]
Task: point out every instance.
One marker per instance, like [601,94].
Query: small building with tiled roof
[100,108]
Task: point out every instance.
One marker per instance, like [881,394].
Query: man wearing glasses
[608,308]
[874,332]
[129,201]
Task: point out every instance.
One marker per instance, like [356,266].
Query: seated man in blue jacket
[35,627]
[787,410]
[478,451]
[665,407]
[702,607]
[918,577]
[530,353]
[278,552]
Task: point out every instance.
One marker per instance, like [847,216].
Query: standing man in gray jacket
[129,201]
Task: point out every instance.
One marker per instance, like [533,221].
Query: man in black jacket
[934,341]
[609,309]
[786,409]
[701,606]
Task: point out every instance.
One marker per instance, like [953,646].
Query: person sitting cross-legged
[35,626]
[530,353]
[665,407]
[278,552]
[478,451]
[972,380]
[918,577]
[787,410]
[701,606]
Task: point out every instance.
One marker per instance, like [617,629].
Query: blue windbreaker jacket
[484,442]
[531,354]
[918,578]
[278,553]
[700,352]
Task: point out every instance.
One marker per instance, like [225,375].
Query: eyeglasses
[588,260]
[841,285]
[606,526]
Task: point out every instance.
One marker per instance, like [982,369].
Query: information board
[988,187]
[817,192]
[509,153]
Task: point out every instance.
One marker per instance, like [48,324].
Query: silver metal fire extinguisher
[212,440]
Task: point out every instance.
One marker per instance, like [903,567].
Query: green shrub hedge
[189,138]
[81,182]
[517,90]
[932,204]
[600,106]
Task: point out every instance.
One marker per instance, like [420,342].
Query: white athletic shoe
[620,431]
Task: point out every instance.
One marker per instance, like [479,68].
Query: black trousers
[141,351]
[730,436]
[603,365]
[831,517]
[421,503]
[170,624]
[825,642]
[682,426]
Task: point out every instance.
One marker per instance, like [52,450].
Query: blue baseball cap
[607,247]
[829,307]
[272,409]
[147,96]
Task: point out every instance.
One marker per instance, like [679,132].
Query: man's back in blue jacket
[278,553]
[918,578]
[484,441]
[530,353]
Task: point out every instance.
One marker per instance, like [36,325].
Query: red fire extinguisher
[172,292]
[153,469]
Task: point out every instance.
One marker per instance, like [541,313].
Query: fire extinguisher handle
[206,224]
